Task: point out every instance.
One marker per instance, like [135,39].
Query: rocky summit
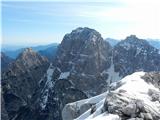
[84,66]
[85,56]
[135,97]
[134,54]
[21,79]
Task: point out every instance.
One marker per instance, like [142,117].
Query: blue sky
[35,22]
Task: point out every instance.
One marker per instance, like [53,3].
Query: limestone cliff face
[82,50]
[134,54]
[21,79]
[86,56]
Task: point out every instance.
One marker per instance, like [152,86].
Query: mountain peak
[132,37]
[133,40]
[27,52]
[83,42]
[82,29]
[83,53]
[135,49]
[83,34]
[29,58]
[81,39]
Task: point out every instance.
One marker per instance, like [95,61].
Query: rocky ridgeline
[133,54]
[20,81]
[127,100]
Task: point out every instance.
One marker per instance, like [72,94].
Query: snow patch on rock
[64,75]
[50,71]
[48,85]
[113,76]
[126,45]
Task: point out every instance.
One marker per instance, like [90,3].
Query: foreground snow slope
[131,98]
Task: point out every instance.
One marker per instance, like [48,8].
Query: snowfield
[131,98]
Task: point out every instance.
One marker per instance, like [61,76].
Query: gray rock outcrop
[21,79]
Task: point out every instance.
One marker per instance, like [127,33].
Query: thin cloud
[114,18]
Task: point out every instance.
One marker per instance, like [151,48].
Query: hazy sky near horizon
[35,22]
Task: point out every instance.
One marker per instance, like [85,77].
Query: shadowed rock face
[85,55]
[4,114]
[21,79]
[62,93]
[133,54]
[82,50]
[153,78]
[5,61]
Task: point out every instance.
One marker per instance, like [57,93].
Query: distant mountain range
[45,50]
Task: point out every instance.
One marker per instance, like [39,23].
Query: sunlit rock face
[135,97]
